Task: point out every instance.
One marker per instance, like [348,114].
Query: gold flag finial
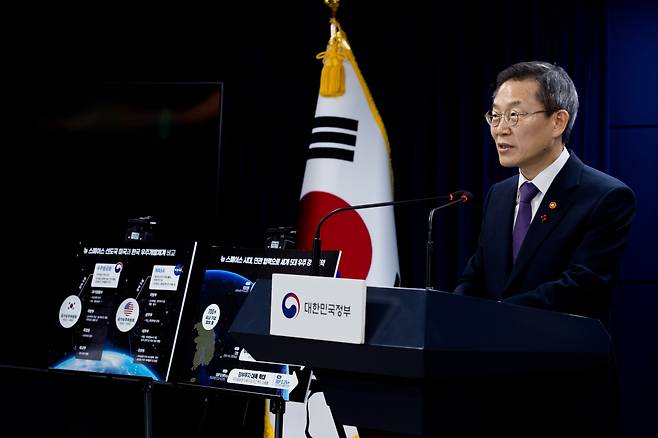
[333,5]
[332,80]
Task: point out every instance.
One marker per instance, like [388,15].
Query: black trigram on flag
[333,137]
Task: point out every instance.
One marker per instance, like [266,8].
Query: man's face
[530,144]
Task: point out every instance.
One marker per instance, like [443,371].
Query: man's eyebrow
[516,102]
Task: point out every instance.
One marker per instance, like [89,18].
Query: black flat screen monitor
[102,153]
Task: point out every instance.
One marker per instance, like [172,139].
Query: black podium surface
[435,362]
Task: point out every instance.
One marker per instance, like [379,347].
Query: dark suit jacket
[569,259]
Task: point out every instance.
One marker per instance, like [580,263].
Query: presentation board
[122,312]
[207,356]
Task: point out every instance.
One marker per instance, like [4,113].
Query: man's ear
[560,122]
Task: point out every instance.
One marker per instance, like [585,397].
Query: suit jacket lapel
[503,215]
[562,192]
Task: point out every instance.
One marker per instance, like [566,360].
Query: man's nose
[502,129]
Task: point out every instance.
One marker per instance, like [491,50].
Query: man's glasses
[512,117]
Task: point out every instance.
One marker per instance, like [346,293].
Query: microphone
[458,197]
[315,257]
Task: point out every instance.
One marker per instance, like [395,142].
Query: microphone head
[464,195]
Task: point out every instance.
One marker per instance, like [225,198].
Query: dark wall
[430,72]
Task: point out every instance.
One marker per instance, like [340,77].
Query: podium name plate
[327,309]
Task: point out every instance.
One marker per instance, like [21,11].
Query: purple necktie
[527,192]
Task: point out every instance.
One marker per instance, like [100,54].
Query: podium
[435,363]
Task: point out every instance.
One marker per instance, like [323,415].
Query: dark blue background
[430,71]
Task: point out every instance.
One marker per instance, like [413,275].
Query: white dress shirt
[542,181]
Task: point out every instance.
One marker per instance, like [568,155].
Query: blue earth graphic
[112,362]
[226,281]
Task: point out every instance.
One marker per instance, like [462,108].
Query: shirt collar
[544,179]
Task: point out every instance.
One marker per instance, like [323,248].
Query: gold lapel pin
[552,205]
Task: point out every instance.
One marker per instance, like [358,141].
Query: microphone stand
[317,244]
[429,277]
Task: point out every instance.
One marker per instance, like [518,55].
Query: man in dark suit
[552,237]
